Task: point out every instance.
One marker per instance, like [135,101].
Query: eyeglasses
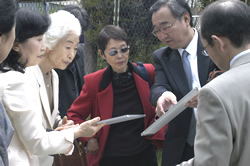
[204,52]
[122,50]
[163,29]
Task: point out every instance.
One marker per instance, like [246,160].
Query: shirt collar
[239,55]
[192,46]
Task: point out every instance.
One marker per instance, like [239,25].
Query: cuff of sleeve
[69,136]
[165,93]
[70,152]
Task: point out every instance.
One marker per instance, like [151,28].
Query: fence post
[116,12]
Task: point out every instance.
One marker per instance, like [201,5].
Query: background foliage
[132,15]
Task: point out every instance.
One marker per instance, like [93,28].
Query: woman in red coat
[117,90]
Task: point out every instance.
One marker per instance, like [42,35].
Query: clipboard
[120,119]
[170,114]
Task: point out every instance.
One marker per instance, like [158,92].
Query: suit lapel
[43,96]
[55,83]
[175,67]
[105,102]
[105,95]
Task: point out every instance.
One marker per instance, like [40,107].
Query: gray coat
[222,131]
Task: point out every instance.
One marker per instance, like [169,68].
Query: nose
[119,54]
[162,35]
[71,54]
[43,47]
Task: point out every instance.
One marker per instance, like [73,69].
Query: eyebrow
[69,41]
[113,48]
[162,23]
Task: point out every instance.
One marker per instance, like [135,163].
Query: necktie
[187,68]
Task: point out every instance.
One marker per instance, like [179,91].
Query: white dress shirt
[192,50]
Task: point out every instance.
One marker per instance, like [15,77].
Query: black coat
[68,90]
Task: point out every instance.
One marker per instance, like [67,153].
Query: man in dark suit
[71,79]
[181,66]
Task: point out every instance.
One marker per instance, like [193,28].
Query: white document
[122,118]
[170,114]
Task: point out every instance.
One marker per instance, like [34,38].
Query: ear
[47,51]
[102,55]
[219,42]
[16,47]
[1,38]
[186,18]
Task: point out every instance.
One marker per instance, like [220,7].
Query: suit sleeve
[21,104]
[160,85]
[214,140]
[81,107]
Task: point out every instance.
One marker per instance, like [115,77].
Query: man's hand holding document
[188,100]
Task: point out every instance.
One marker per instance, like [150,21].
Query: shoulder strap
[144,73]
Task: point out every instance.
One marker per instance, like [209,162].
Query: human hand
[192,103]
[65,127]
[165,101]
[92,146]
[66,122]
[88,128]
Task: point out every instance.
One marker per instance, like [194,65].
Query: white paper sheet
[170,114]
[122,118]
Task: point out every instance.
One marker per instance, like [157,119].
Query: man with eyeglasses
[179,67]
[223,133]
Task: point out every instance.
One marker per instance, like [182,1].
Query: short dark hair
[28,24]
[231,21]
[80,13]
[177,8]
[110,32]
[7,15]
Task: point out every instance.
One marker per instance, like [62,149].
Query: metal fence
[132,15]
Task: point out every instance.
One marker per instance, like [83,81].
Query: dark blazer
[67,90]
[170,76]
[96,99]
